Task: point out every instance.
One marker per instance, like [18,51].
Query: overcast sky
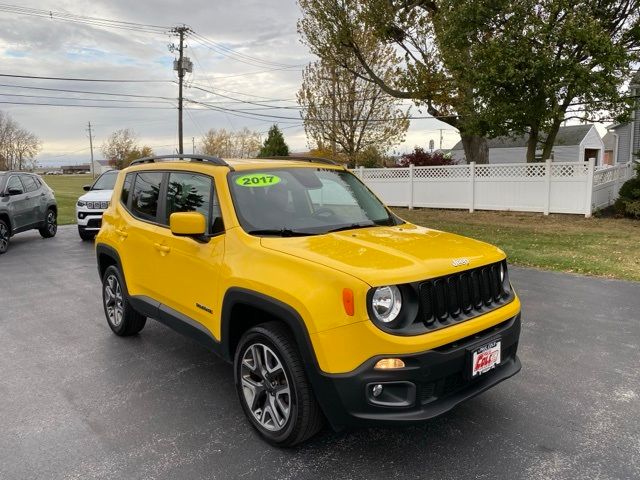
[50,47]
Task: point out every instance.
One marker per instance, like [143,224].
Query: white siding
[566,153]
[508,155]
[592,140]
[624,139]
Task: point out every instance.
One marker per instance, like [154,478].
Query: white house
[101,166]
[627,135]
[574,143]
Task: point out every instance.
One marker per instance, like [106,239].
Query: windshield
[304,201]
[106,181]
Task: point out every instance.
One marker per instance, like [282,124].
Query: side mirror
[86,188]
[188,224]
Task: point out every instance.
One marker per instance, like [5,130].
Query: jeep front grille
[461,296]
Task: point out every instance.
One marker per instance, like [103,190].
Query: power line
[34,77]
[85,91]
[84,106]
[235,55]
[52,97]
[92,21]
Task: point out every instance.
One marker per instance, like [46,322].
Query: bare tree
[222,143]
[346,113]
[121,148]
[18,147]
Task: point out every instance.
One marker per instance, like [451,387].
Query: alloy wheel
[52,225]
[113,300]
[4,237]
[266,387]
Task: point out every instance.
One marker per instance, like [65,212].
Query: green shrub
[628,202]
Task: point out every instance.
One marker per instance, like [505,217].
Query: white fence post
[361,172]
[472,186]
[411,173]
[589,196]
[547,186]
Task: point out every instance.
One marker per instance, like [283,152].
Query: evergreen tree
[274,144]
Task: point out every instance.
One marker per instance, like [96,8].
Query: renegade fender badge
[458,262]
[204,307]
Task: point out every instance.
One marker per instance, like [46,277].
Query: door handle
[122,233]
[162,248]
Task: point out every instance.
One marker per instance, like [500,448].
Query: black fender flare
[102,249]
[321,383]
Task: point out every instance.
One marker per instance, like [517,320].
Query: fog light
[376,390]
[389,364]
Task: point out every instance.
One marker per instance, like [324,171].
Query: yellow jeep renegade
[328,304]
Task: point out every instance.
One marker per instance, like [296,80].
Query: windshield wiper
[352,227]
[282,232]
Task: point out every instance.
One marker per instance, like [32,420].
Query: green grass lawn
[607,247]
[68,188]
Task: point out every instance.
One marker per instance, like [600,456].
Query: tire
[121,317]
[50,227]
[263,392]
[86,236]
[4,236]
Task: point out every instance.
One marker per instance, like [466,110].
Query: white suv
[92,204]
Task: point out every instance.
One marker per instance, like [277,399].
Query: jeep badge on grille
[458,262]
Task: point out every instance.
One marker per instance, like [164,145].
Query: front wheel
[4,237]
[121,317]
[50,227]
[273,387]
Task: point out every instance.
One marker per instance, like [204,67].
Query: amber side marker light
[389,364]
[347,301]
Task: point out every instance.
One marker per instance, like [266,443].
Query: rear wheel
[50,227]
[121,317]
[85,235]
[273,387]
[4,237]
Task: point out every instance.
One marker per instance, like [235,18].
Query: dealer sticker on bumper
[485,358]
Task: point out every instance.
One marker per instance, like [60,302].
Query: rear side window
[29,182]
[126,189]
[144,197]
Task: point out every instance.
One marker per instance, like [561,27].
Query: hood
[97,196]
[389,255]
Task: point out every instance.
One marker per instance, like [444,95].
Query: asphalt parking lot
[78,402]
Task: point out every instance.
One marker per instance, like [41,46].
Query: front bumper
[90,220]
[431,383]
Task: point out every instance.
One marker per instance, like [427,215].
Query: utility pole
[333,113]
[441,139]
[193,145]
[93,168]
[182,65]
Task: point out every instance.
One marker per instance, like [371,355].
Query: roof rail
[191,157]
[301,158]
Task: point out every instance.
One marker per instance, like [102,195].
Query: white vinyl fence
[551,187]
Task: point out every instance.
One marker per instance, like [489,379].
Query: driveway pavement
[78,402]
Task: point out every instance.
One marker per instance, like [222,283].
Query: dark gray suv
[26,203]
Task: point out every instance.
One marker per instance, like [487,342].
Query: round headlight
[386,303]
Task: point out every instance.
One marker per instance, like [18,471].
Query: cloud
[46,47]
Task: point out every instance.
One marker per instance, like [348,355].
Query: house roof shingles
[569,135]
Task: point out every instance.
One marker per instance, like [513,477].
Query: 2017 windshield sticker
[257,180]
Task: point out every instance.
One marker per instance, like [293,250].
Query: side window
[144,199]
[189,192]
[14,186]
[126,189]
[29,183]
